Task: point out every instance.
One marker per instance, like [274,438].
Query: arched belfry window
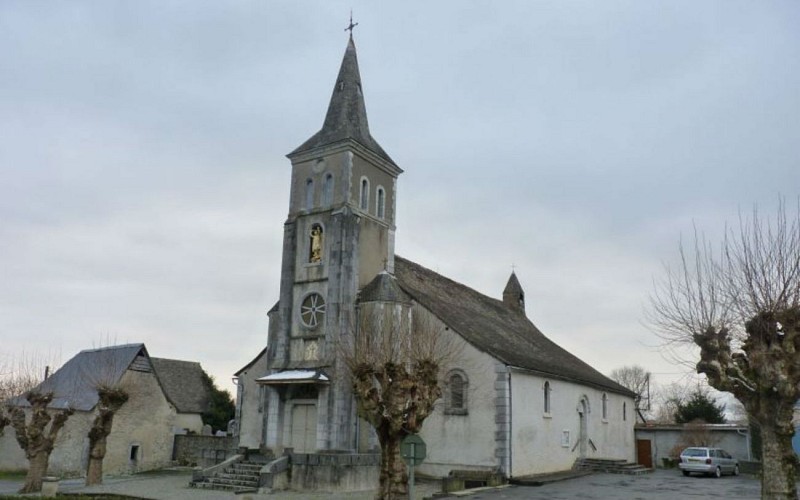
[309,199]
[456,393]
[315,243]
[327,190]
[364,197]
[547,391]
[380,203]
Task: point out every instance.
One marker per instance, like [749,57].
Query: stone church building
[514,402]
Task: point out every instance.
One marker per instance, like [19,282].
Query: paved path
[660,485]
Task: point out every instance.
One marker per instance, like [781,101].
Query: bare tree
[18,375]
[742,309]
[110,401]
[637,379]
[105,374]
[35,436]
[396,361]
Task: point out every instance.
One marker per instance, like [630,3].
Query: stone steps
[240,477]
[613,466]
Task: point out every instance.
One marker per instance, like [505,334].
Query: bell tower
[338,236]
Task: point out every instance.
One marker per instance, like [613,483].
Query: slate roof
[183,384]
[347,114]
[383,288]
[75,384]
[493,327]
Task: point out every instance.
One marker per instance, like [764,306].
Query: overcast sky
[144,184]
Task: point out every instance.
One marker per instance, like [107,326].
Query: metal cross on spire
[351,26]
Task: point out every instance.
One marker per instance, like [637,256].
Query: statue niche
[315,244]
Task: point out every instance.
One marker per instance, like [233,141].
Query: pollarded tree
[110,401]
[742,309]
[396,361]
[37,436]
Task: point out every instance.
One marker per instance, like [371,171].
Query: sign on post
[413,451]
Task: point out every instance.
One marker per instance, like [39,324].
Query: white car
[712,461]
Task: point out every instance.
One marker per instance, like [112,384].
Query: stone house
[515,401]
[160,405]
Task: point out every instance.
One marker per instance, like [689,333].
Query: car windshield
[694,452]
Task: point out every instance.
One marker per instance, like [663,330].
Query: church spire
[513,295]
[347,114]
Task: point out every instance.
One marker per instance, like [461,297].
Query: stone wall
[202,451]
[334,472]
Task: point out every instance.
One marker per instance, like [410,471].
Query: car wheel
[717,472]
[736,470]
[685,472]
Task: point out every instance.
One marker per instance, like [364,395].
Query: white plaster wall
[463,441]
[251,421]
[536,442]
[11,455]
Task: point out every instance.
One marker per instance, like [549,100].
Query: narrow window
[380,207]
[624,411]
[327,191]
[456,395]
[309,194]
[605,406]
[364,202]
[134,456]
[547,397]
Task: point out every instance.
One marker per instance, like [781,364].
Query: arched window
[624,411]
[456,395]
[327,190]
[380,203]
[364,200]
[309,194]
[605,406]
[547,397]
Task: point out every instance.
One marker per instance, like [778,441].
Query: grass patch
[12,474]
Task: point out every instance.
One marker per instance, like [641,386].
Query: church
[514,401]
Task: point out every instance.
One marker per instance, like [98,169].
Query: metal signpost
[413,450]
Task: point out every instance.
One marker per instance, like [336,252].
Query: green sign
[413,449]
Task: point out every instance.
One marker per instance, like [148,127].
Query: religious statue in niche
[316,244]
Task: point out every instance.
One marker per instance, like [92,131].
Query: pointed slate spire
[347,113]
[513,294]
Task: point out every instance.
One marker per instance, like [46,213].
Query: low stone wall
[334,472]
[202,451]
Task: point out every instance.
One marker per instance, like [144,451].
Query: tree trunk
[393,478]
[778,459]
[94,474]
[37,469]
[110,400]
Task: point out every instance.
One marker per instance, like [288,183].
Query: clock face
[312,310]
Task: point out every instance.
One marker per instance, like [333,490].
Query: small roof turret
[347,113]
[513,294]
[383,288]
